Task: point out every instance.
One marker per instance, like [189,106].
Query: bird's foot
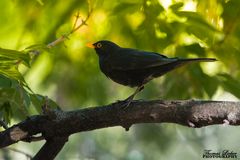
[125,103]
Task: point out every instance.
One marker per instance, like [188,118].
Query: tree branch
[51,148]
[62,124]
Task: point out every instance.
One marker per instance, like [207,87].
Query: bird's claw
[125,103]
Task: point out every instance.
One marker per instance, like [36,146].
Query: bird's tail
[178,63]
[199,60]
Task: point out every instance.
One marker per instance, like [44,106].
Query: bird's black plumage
[134,68]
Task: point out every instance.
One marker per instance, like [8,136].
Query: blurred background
[69,73]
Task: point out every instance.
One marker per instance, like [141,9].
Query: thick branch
[51,148]
[57,125]
[62,124]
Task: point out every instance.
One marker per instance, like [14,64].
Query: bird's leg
[136,92]
[130,98]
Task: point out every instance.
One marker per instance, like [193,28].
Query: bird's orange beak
[90,45]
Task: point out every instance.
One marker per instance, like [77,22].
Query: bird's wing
[128,59]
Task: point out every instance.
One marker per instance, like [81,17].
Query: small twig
[75,28]
[75,23]
[19,151]
[65,36]
[84,22]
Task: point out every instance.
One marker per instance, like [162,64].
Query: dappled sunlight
[35,76]
[135,19]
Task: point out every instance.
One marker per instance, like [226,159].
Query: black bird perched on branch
[134,68]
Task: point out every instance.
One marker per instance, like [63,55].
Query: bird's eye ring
[99,45]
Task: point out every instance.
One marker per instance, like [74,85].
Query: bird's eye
[99,45]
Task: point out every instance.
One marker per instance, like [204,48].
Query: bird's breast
[104,65]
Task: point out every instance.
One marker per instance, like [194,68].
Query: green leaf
[230,84]
[126,7]
[5,112]
[4,81]
[19,105]
[231,13]
[18,101]
[152,9]
[6,94]
[176,6]
[209,84]
[36,48]
[11,72]
[9,60]
[15,55]
[195,18]
[38,101]
[203,33]
[195,48]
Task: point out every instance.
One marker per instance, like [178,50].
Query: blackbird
[134,68]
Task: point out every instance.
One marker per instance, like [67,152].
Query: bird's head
[103,47]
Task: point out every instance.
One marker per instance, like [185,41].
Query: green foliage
[13,98]
[15,95]
[9,60]
[126,7]
[230,84]
[176,6]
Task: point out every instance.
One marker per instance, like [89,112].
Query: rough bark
[51,148]
[57,126]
